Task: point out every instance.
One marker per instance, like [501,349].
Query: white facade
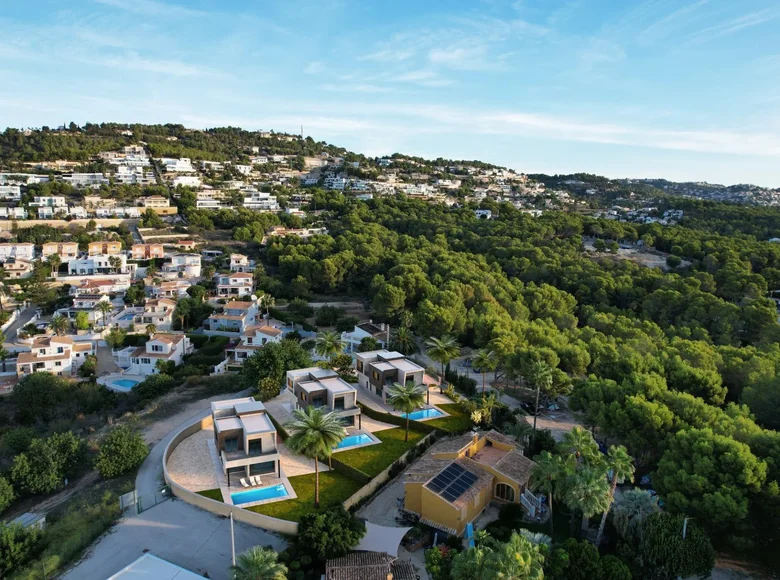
[186,181]
[260,200]
[85,179]
[167,347]
[235,285]
[182,165]
[22,251]
[17,213]
[100,264]
[13,192]
[48,201]
[236,317]
[58,355]
[184,264]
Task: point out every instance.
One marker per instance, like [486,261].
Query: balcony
[229,456]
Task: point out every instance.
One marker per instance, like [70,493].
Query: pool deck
[443,413]
[109,381]
[374,441]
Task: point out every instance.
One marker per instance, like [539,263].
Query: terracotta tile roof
[238,275]
[500,438]
[30,357]
[82,347]
[167,338]
[368,566]
[516,466]
[452,445]
[239,305]
[269,330]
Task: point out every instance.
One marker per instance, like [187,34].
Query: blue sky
[682,89]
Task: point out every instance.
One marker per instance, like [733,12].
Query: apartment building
[107,248]
[67,250]
[147,251]
[85,179]
[235,285]
[378,369]
[182,165]
[166,347]
[10,192]
[235,318]
[58,355]
[260,201]
[253,339]
[21,251]
[324,388]
[453,483]
[184,265]
[241,263]
[245,439]
[48,201]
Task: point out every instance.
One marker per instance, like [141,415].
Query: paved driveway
[175,531]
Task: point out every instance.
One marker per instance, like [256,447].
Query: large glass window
[262,468]
[255,447]
[338,404]
[505,492]
[231,444]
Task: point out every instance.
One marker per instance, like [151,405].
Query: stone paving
[190,465]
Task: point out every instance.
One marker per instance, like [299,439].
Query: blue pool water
[128,316]
[124,384]
[259,494]
[353,440]
[424,414]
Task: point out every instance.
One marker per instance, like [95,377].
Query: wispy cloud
[425,78]
[734,25]
[134,61]
[313,68]
[356,88]
[152,8]
[600,51]
[662,27]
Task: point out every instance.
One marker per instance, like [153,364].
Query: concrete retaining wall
[266,522]
[373,485]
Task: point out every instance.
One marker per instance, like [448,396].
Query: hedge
[463,383]
[279,429]
[198,340]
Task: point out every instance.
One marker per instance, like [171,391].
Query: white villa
[237,284]
[236,317]
[185,265]
[255,338]
[380,331]
[167,347]
[241,263]
[58,355]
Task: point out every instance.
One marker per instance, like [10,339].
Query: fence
[144,502]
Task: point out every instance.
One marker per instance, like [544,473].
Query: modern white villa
[167,347]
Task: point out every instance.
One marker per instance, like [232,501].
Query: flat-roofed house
[183,265]
[255,338]
[378,369]
[58,355]
[107,248]
[167,347]
[23,251]
[63,249]
[245,439]
[324,388]
[171,289]
[456,479]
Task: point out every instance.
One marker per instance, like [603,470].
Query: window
[60,350]
[338,404]
[255,447]
[317,401]
[303,397]
[146,361]
[360,366]
[262,468]
[231,444]
[375,375]
[156,347]
[57,364]
[505,492]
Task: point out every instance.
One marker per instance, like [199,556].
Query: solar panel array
[453,482]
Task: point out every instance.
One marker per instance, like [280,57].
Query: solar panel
[436,485]
[452,482]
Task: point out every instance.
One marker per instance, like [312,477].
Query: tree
[88,367]
[150,219]
[151,329]
[4,352]
[45,465]
[549,475]
[621,465]
[368,344]
[314,434]
[540,376]
[328,344]
[7,495]
[666,555]
[518,559]
[764,400]
[197,292]
[631,509]
[584,563]
[485,361]
[580,444]
[36,396]
[82,320]
[407,399]
[59,324]
[330,534]
[708,476]
[54,262]
[122,450]
[442,350]
[116,337]
[402,340]
[105,308]
[273,361]
[267,301]
[258,564]
[18,545]
[587,491]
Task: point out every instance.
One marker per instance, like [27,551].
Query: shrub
[47,463]
[347,323]
[17,546]
[121,451]
[330,534]
[7,495]
[328,315]
[463,383]
[268,388]
[88,367]
[154,386]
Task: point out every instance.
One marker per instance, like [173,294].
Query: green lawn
[334,489]
[374,459]
[457,422]
[211,494]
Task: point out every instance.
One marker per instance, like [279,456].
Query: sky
[688,90]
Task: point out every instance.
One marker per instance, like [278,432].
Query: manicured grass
[374,459]
[335,488]
[211,494]
[457,422]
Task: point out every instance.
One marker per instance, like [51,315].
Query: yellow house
[455,481]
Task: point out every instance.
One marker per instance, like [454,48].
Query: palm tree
[3,286]
[115,262]
[105,308]
[258,564]
[588,492]
[182,318]
[541,378]
[488,405]
[151,329]
[631,509]
[402,340]
[536,538]
[442,350]
[314,433]
[151,269]
[521,430]
[485,361]
[54,261]
[580,444]
[621,464]
[549,475]
[406,398]
[59,324]
[266,300]
[328,344]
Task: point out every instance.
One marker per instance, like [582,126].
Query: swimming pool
[353,440]
[124,384]
[259,494]
[128,316]
[423,414]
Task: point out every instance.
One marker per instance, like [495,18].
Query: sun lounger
[244,483]
[256,480]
